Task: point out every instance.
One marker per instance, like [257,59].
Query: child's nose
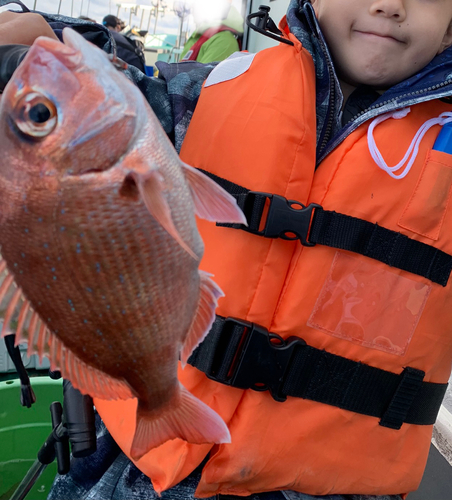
[389,8]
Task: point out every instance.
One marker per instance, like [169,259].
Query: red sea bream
[98,236]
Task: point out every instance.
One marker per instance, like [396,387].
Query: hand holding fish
[99,244]
[23,28]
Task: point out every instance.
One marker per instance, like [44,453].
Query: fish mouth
[68,55]
[75,42]
[71,40]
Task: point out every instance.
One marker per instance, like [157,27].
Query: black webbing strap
[289,219]
[392,248]
[247,356]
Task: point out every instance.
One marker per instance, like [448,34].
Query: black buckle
[286,222]
[262,360]
[265,25]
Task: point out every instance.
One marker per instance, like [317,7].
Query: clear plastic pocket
[364,303]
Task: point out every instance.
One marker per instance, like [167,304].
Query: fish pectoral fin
[84,377]
[211,201]
[151,186]
[185,417]
[204,317]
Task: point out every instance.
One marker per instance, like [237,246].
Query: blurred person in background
[129,50]
[113,23]
[218,33]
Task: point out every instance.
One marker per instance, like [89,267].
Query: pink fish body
[98,236]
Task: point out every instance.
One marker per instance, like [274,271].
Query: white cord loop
[411,154]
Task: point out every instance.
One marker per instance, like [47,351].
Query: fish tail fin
[189,419]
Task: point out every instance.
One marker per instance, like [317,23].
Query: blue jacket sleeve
[173,95]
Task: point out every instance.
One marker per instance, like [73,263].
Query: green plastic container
[23,432]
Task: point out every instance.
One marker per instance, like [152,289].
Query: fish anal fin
[151,187]
[185,417]
[211,201]
[84,377]
[204,317]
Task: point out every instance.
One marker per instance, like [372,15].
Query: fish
[100,249]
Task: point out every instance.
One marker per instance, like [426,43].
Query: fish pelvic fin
[211,201]
[185,417]
[210,292]
[151,186]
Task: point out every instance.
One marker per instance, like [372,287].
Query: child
[322,121]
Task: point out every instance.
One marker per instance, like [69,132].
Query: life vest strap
[290,220]
[245,355]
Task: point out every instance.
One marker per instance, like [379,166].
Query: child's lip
[380,35]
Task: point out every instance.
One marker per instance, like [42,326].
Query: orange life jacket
[258,129]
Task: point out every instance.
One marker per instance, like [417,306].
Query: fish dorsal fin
[211,201]
[151,186]
[204,317]
[34,341]
[7,286]
[86,378]
[42,341]
[43,338]
[11,309]
[29,327]
[23,315]
[10,297]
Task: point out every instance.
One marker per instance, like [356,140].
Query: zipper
[332,99]
[403,96]
[315,30]
[354,120]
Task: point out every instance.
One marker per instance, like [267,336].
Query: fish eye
[35,115]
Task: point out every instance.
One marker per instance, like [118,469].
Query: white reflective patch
[232,67]
[187,56]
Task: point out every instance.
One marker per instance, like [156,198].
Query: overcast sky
[97,9]
[168,22]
